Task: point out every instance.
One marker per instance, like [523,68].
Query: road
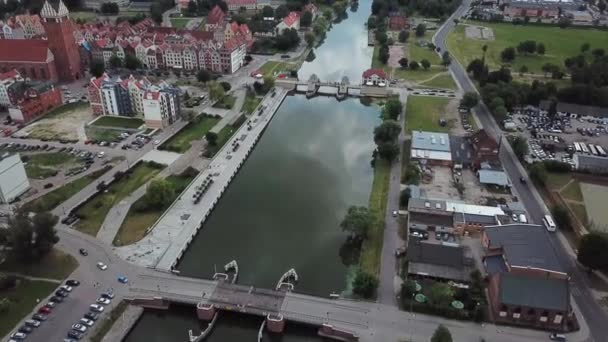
[594,315]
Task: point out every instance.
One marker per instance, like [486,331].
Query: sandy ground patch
[395,54]
[595,197]
[479,32]
[68,125]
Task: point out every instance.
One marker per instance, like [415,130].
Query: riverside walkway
[169,237]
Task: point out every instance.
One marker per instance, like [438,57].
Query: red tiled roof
[25,50]
[291,18]
[216,16]
[379,72]
[9,74]
[241,2]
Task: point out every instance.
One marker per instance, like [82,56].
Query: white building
[161,107]
[431,148]
[13,179]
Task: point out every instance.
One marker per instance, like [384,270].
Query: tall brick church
[60,34]
[53,59]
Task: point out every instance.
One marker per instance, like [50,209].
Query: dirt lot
[66,123]
[395,54]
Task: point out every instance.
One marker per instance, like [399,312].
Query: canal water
[284,207]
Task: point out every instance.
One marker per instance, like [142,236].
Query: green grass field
[271,67]
[118,122]
[418,53]
[66,109]
[22,301]
[555,180]
[44,165]
[423,113]
[573,192]
[181,141]
[222,137]
[443,80]
[372,246]
[559,44]
[136,223]
[54,198]
[179,22]
[417,76]
[101,134]
[56,265]
[227,102]
[250,104]
[94,212]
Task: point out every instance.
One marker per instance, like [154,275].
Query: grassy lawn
[100,134]
[555,180]
[195,130]
[423,113]
[118,121]
[573,192]
[559,44]
[56,265]
[372,246]
[418,53]
[179,22]
[444,81]
[136,223]
[45,165]
[250,104]
[222,137]
[93,213]
[54,198]
[86,16]
[580,211]
[227,102]
[103,326]
[416,76]
[22,301]
[66,109]
[270,68]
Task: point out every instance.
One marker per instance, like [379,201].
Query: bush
[7,282]
[556,166]
[365,285]
[226,86]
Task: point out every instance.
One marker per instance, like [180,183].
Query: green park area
[441,80]
[559,44]
[143,214]
[45,165]
[92,214]
[251,103]
[103,134]
[118,122]
[55,265]
[19,300]
[52,199]
[271,68]
[223,136]
[226,102]
[194,130]
[179,23]
[424,112]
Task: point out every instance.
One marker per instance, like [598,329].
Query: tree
[540,48]
[520,146]
[327,14]
[281,12]
[132,62]
[523,69]
[109,8]
[549,68]
[268,83]
[404,197]
[383,55]
[425,64]
[469,100]
[159,193]
[441,334]
[97,68]
[226,86]
[585,47]
[388,150]
[381,37]
[601,5]
[393,108]
[203,76]
[440,294]
[309,37]
[45,235]
[306,19]
[267,12]
[371,22]
[593,251]
[420,30]
[404,36]
[478,68]
[216,91]
[414,65]
[403,62]
[357,222]
[527,46]
[32,238]
[599,52]
[115,61]
[387,131]
[538,172]
[561,216]
[211,138]
[446,59]
[365,284]
[508,54]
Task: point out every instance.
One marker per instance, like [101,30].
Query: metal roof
[493,177]
[534,292]
[473,209]
[433,141]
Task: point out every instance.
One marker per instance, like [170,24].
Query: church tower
[60,34]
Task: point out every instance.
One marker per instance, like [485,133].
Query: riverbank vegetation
[194,130]
[144,212]
[92,214]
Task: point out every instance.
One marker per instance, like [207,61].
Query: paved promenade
[165,244]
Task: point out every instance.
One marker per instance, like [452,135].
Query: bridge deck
[246,299]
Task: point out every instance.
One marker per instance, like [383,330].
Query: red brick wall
[35,71]
[40,105]
[95,100]
[63,45]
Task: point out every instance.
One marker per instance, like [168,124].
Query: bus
[592,149]
[549,224]
[584,148]
[600,150]
[577,147]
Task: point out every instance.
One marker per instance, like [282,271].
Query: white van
[549,224]
[522,218]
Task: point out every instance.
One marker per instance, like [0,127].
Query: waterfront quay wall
[176,228]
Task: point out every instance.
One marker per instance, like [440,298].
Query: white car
[101,154]
[96,308]
[102,266]
[66,287]
[18,336]
[87,322]
[79,327]
[104,301]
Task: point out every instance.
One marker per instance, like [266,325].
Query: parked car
[96,308]
[40,317]
[51,305]
[56,299]
[79,327]
[75,334]
[32,323]
[93,316]
[66,287]
[25,329]
[44,310]
[557,337]
[61,293]
[109,295]
[72,282]
[104,301]
[83,252]
[123,279]
[18,336]
[87,322]
[102,266]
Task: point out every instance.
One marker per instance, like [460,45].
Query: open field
[559,44]
[423,113]
[118,122]
[372,246]
[418,52]
[595,198]
[93,213]
[250,104]
[44,165]
[222,137]
[62,123]
[22,299]
[179,22]
[419,76]
[195,130]
[226,102]
[54,198]
[56,265]
[443,80]
[271,67]
[136,223]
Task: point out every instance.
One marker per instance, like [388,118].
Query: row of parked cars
[42,315]
[25,147]
[80,328]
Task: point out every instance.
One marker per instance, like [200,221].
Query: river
[284,208]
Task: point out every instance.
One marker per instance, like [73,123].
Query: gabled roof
[378,72]
[10,75]
[24,50]
[291,18]
[216,16]
[433,253]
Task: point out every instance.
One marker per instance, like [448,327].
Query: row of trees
[31,238]
[425,8]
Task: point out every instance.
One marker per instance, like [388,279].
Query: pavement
[595,317]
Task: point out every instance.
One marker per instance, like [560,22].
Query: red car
[44,310]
